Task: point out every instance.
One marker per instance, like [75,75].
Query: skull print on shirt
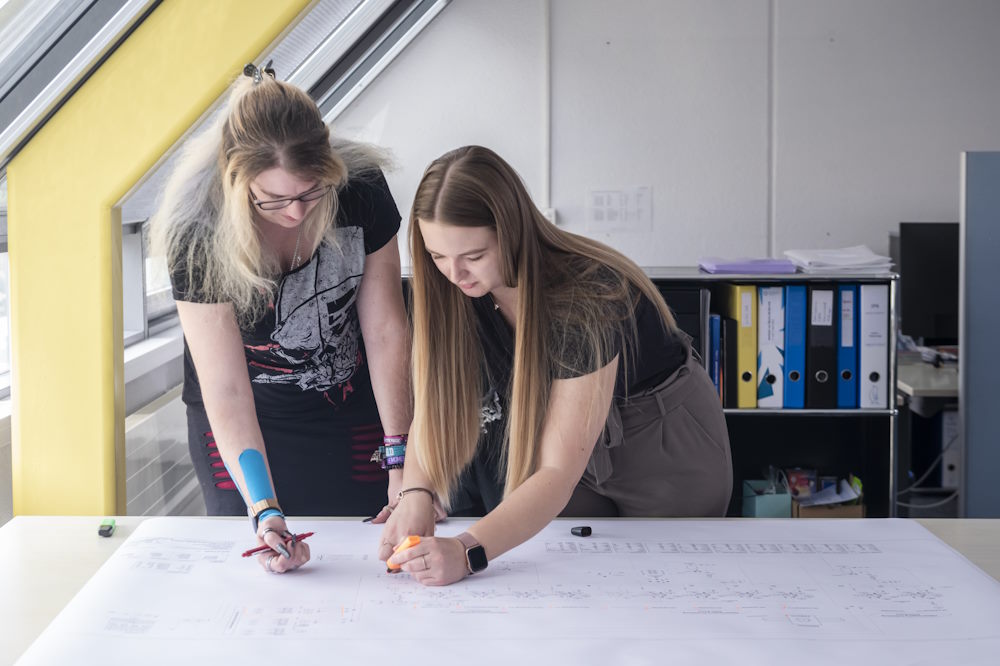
[316,337]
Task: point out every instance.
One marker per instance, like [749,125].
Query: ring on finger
[267,564]
[426,566]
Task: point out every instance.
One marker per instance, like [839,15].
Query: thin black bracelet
[406,491]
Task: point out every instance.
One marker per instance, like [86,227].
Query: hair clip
[257,74]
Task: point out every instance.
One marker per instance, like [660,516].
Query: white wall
[760,125]
[672,95]
[875,102]
[476,74]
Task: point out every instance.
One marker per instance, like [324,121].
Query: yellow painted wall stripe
[67,424]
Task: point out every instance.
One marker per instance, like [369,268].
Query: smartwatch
[475,554]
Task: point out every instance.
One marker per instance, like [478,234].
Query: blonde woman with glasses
[281,243]
[549,377]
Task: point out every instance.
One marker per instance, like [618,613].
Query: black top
[306,353]
[654,356]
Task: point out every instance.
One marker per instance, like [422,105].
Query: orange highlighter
[408,542]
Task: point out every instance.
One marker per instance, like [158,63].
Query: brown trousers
[664,452]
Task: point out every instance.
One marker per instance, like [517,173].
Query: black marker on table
[107,527]
[581,531]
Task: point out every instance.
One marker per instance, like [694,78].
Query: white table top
[46,560]
[923,380]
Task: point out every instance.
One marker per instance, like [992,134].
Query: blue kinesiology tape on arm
[255,474]
[233,477]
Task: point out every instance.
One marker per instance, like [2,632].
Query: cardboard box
[757,504]
[828,511]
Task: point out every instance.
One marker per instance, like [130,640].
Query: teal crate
[758,504]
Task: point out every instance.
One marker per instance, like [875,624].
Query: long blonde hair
[566,283]
[205,222]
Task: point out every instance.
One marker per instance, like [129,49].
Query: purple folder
[746,265]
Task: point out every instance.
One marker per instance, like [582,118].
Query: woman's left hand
[434,561]
[395,485]
[394,488]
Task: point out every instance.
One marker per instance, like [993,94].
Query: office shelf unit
[832,441]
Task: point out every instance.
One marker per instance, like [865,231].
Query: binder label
[822,308]
[876,324]
[847,318]
[746,309]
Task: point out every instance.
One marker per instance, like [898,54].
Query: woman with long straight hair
[281,244]
[549,376]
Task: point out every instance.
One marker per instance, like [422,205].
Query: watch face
[477,558]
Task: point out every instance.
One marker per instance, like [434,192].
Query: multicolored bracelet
[392,453]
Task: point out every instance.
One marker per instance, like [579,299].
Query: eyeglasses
[278,204]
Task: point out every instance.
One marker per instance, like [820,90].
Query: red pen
[261,549]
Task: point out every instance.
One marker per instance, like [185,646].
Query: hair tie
[257,74]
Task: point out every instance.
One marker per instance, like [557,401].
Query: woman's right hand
[273,531]
[413,514]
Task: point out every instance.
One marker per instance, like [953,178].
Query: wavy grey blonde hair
[205,224]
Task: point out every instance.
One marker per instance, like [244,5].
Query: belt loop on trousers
[659,403]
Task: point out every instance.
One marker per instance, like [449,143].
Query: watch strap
[257,507]
[467,540]
[472,544]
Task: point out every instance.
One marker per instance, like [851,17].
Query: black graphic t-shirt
[655,355]
[306,353]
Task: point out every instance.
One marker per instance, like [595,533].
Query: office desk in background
[46,560]
[918,380]
[927,397]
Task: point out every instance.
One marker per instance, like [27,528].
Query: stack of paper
[854,260]
[843,492]
[746,265]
